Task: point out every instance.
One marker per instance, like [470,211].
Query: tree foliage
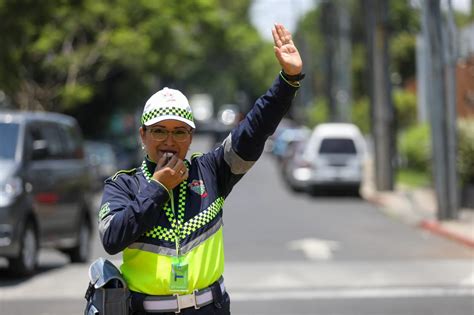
[403,23]
[92,58]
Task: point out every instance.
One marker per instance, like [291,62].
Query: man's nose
[169,138]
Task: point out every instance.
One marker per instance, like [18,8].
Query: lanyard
[175,221]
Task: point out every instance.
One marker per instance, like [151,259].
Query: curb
[408,217]
[436,228]
[430,225]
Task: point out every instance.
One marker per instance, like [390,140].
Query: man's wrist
[293,78]
[295,84]
[161,184]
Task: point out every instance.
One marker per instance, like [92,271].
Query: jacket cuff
[295,84]
[154,180]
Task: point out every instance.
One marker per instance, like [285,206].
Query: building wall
[465,87]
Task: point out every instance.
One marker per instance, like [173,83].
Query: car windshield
[8,140]
[337,146]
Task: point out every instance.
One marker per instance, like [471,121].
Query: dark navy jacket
[132,216]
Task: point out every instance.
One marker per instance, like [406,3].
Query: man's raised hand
[285,51]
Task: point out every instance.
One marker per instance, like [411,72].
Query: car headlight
[9,189]
[302,174]
[228,117]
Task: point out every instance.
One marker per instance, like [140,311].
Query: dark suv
[44,189]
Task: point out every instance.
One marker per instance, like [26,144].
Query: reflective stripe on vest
[149,272]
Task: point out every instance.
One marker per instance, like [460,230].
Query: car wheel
[26,262]
[80,253]
[356,190]
[296,189]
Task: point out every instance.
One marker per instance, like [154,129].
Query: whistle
[168,156]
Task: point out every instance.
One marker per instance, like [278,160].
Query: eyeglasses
[161,134]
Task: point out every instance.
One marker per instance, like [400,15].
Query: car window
[337,146]
[32,136]
[71,141]
[52,135]
[8,140]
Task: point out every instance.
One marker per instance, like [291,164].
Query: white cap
[167,104]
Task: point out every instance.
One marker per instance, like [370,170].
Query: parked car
[44,189]
[101,161]
[285,139]
[333,157]
[293,165]
[284,124]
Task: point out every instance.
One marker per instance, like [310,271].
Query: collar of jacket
[150,165]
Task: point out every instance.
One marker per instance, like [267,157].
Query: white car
[333,157]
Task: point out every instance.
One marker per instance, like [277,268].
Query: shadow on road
[334,193]
[7,278]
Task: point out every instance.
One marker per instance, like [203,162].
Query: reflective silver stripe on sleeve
[104,225]
[185,249]
[236,163]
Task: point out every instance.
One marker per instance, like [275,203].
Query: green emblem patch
[104,210]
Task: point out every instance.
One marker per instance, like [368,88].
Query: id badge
[179,275]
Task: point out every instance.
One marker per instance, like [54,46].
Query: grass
[412,178]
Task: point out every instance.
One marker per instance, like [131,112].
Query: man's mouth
[168,154]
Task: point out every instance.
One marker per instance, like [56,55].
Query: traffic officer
[166,215]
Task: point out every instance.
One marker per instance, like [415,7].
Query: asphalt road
[294,254]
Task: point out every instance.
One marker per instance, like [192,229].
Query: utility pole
[343,89]
[382,111]
[450,62]
[336,29]
[328,18]
[441,58]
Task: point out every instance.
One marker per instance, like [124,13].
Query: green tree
[93,58]
[404,21]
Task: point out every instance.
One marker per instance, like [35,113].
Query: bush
[406,108]
[415,148]
[466,150]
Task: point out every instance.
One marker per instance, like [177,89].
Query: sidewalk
[418,207]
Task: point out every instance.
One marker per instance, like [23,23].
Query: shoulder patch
[196,155]
[104,209]
[129,172]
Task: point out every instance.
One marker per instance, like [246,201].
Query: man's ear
[142,134]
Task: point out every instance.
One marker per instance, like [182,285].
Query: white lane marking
[309,294]
[360,293]
[468,280]
[314,248]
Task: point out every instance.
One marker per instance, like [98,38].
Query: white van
[333,157]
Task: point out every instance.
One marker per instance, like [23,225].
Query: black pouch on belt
[108,293]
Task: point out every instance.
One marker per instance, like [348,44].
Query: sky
[264,13]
